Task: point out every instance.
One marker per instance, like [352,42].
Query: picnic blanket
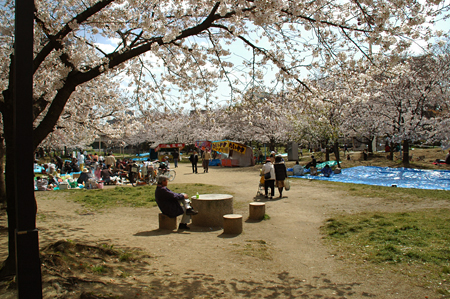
[386,176]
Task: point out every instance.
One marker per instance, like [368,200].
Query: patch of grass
[98,269]
[389,193]
[255,248]
[418,241]
[141,196]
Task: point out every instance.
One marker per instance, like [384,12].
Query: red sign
[169,145]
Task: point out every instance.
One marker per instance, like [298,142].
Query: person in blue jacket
[326,171]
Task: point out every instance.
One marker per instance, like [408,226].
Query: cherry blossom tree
[177,52]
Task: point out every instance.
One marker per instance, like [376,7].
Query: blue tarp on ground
[386,176]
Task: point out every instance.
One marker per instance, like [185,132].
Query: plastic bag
[287,185]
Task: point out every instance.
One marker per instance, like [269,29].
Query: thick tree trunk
[272,144]
[370,144]
[405,159]
[2,174]
[336,153]
[9,265]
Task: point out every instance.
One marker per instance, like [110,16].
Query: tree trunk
[405,159]
[2,174]
[272,144]
[336,153]
[9,265]
[370,144]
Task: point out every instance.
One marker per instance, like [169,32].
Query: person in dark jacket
[194,160]
[280,174]
[84,177]
[312,163]
[173,204]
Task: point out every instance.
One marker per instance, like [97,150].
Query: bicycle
[170,173]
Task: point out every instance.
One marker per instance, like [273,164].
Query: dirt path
[283,257]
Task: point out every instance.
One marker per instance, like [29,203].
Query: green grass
[127,196]
[414,237]
[414,243]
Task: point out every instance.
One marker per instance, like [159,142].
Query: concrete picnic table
[211,208]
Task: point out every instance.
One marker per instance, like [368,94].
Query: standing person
[206,158]
[176,156]
[194,160]
[173,204]
[280,174]
[81,160]
[269,180]
[110,160]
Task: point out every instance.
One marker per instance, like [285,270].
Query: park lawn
[416,244]
[127,196]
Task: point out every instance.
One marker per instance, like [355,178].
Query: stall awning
[169,145]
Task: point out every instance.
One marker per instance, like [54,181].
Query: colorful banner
[169,145]
[203,145]
[220,146]
[226,146]
[237,147]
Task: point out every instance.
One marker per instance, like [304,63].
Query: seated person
[84,177]
[326,171]
[66,168]
[173,204]
[49,168]
[312,163]
[41,184]
[163,167]
[106,175]
[74,165]
[298,169]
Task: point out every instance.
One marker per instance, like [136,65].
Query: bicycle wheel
[171,175]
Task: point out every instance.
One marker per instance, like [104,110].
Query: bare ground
[283,257]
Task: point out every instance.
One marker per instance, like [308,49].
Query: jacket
[168,201]
[280,171]
[268,167]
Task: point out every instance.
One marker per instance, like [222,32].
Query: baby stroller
[261,184]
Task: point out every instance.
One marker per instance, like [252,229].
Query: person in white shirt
[269,179]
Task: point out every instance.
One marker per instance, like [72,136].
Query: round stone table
[211,208]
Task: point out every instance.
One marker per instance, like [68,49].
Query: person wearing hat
[84,176]
[269,178]
[173,204]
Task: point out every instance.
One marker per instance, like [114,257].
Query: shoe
[271,197]
[183,226]
[191,211]
[265,196]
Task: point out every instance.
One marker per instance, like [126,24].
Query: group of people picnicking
[94,171]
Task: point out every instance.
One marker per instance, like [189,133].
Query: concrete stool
[165,222]
[257,210]
[232,224]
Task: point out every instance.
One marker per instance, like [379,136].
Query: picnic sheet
[386,176]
